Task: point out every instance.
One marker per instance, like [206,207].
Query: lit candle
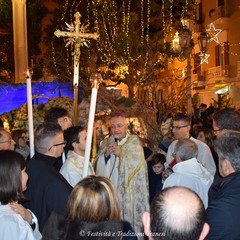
[96,80]
[30,113]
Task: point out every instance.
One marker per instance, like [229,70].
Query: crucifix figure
[78,36]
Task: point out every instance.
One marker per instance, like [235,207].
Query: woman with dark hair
[19,136]
[15,220]
[92,213]
[207,136]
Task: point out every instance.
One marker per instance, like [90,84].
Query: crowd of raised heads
[187,189]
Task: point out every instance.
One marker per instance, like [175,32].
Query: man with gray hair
[176,213]
[224,210]
[226,120]
[188,172]
[47,189]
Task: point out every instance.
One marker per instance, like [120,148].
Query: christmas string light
[226,46]
[163,21]
[147,35]
[171,18]
[142,22]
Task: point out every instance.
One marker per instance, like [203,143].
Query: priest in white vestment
[121,159]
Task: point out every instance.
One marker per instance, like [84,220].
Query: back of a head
[186,149]
[11,165]
[228,119]
[177,212]
[53,114]
[93,199]
[228,147]
[44,134]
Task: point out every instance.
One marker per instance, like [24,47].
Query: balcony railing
[217,74]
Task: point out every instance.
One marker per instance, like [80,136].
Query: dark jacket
[155,182]
[47,189]
[223,211]
[59,228]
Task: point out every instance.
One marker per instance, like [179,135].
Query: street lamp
[203,41]
[185,43]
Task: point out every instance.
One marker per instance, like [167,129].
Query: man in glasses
[226,120]
[224,210]
[6,141]
[121,158]
[181,130]
[47,189]
[60,116]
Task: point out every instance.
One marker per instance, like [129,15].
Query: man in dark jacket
[224,210]
[61,116]
[47,190]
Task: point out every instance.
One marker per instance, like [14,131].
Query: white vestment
[129,175]
[191,174]
[72,168]
[204,155]
[13,226]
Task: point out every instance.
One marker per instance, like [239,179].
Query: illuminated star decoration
[213,32]
[204,58]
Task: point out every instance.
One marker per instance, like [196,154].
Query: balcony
[218,75]
[221,19]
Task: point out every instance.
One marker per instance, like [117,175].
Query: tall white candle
[30,113]
[96,79]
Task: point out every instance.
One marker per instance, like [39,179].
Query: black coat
[47,189]
[59,228]
[223,212]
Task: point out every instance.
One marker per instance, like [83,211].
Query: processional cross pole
[77,35]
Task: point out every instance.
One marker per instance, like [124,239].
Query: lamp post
[185,43]
[203,41]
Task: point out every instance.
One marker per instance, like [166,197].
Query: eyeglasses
[58,144]
[8,141]
[178,127]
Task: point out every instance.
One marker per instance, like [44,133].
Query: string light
[171,18]
[163,21]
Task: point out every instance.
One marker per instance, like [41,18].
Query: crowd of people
[187,189]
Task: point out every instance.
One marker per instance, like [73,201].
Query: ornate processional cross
[77,35]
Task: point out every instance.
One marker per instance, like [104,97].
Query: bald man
[176,213]
[6,141]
